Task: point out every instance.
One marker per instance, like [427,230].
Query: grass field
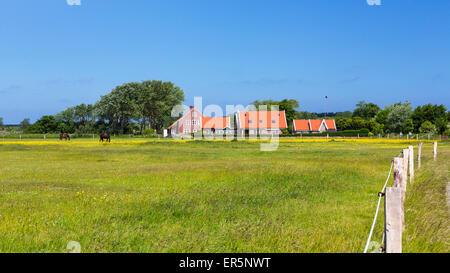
[198,196]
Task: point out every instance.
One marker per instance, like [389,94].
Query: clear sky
[53,55]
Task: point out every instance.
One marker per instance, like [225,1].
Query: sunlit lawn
[167,196]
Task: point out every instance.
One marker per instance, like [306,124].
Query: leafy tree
[24,124]
[358,123]
[306,115]
[47,124]
[427,128]
[399,117]
[366,110]
[382,116]
[119,106]
[346,114]
[441,125]
[343,123]
[374,126]
[1,122]
[157,100]
[436,114]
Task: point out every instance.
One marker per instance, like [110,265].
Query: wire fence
[380,195]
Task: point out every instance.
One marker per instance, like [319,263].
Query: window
[249,121]
[273,121]
[195,130]
[194,114]
[245,115]
[187,131]
[260,121]
[188,122]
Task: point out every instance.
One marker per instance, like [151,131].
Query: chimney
[191,107]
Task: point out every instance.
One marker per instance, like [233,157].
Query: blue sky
[53,55]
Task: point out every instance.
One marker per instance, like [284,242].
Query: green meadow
[199,196]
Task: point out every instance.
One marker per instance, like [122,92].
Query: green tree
[47,124]
[24,124]
[343,123]
[366,110]
[436,114]
[427,128]
[374,126]
[399,117]
[346,114]
[382,116]
[358,123]
[306,115]
[1,122]
[156,102]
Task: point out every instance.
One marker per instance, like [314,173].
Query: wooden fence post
[398,172]
[405,169]
[393,226]
[404,182]
[411,164]
[435,150]
[419,155]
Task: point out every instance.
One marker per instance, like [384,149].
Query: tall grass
[427,214]
[192,196]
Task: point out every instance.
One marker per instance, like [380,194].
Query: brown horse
[64,135]
[105,137]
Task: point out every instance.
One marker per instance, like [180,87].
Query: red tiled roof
[215,122]
[331,125]
[301,125]
[262,119]
[315,124]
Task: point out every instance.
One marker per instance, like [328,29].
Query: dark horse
[105,137]
[64,135]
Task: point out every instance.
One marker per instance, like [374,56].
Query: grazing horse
[64,135]
[105,137]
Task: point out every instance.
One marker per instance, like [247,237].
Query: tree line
[145,108]
[135,107]
[394,118]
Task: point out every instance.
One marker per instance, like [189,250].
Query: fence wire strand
[378,208]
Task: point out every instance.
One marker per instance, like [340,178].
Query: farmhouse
[260,122]
[193,121]
[313,125]
[247,122]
